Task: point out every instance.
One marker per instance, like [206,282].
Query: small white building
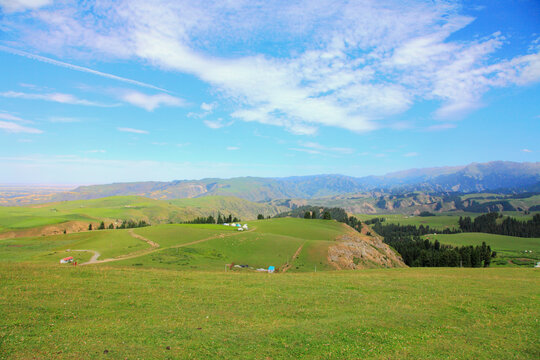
[240,229]
[245,226]
[226,224]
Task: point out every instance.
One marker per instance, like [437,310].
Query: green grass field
[509,248]
[191,246]
[81,312]
[439,221]
[109,243]
[271,242]
[109,209]
[114,208]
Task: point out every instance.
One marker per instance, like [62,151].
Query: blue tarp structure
[271,269]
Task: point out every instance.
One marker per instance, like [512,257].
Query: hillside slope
[75,216]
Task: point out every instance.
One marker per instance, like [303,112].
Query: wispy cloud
[54,97]
[22,5]
[317,146]
[410,154]
[131,130]
[361,66]
[232,148]
[78,68]
[217,124]
[95,151]
[6,116]
[308,151]
[11,127]
[527,150]
[151,102]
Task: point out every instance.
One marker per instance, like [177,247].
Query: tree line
[418,252]
[221,219]
[324,213]
[126,224]
[510,226]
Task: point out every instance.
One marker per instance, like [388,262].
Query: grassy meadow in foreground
[81,312]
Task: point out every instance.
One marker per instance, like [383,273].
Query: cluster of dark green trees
[418,252]
[126,224]
[510,226]
[212,220]
[325,213]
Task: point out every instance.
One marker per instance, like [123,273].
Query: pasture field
[111,209]
[96,312]
[91,211]
[510,249]
[190,246]
[270,242]
[109,243]
[439,221]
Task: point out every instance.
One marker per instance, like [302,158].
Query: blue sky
[111,91]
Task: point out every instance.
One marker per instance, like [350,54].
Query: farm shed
[66,260]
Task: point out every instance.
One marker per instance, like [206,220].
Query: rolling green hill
[510,250]
[278,242]
[53,218]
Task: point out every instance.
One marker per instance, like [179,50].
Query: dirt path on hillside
[93,259]
[296,254]
[140,237]
[156,249]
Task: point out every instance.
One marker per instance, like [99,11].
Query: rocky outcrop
[354,250]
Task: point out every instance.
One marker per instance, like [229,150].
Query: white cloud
[95,151]
[130,130]
[6,116]
[526,150]
[410,154]
[16,128]
[21,5]
[208,107]
[232,148]
[359,64]
[317,146]
[216,124]
[151,102]
[308,151]
[54,97]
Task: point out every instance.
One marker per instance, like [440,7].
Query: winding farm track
[154,247]
[94,257]
[148,241]
[296,254]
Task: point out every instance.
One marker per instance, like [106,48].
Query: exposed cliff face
[355,250]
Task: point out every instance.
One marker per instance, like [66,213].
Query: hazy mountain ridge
[497,175]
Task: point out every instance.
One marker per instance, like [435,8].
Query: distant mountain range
[477,177]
